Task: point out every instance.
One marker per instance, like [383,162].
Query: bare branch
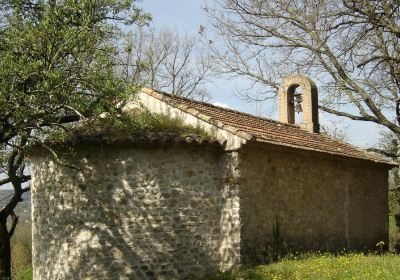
[351,47]
[167,61]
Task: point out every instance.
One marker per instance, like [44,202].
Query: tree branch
[382,152]
[23,179]
[347,115]
[14,222]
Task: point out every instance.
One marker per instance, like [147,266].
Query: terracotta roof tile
[266,130]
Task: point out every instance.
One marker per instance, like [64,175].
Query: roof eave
[388,163]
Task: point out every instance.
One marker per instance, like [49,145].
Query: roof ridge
[223,108]
[198,114]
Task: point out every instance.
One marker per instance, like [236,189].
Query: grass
[322,267]
[21,252]
[25,274]
[310,267]
[135,124]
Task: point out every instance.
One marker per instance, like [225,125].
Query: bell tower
[305,102]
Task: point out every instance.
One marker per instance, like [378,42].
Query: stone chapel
[169,206]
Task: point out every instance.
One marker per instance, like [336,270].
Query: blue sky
[186,16]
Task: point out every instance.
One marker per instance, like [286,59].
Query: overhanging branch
[23,179]
[382,152]
[350,116]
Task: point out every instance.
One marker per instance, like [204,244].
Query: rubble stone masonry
[135,213]
[172,211]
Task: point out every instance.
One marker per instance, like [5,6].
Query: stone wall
[135,213]
[320,203]
[167,212]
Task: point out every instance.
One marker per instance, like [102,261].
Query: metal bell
[298,108]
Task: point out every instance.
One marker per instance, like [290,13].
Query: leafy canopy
[57,61]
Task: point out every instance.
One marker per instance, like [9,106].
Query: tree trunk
[396,178]
[5,252]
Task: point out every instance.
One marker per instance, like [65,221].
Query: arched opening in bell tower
[296,98]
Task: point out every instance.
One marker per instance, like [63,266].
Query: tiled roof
[264,130]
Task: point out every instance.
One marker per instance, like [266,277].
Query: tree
[166,61]
[350,47]
[56,67]
[388,146]
[334,129]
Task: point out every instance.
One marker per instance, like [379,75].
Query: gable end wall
[159,213]
[232,141]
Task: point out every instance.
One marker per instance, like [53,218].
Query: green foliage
[148,121]
[26,274]
[57,62]
[322,267]
[57,58]
[21,258]
[21,250]
[388,146]
[393,209]
[127,125]
[57,65]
